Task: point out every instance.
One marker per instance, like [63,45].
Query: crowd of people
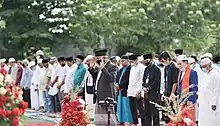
[132,80]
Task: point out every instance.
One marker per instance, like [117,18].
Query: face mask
[132,64]
[86,66]
[183,69]
[98,61]
[55,64]
[204,70]
[78,63]
[63,65]
[192,66]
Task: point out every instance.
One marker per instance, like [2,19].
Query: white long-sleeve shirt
[136,80]
[69,78]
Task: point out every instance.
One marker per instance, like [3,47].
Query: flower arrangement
[73,113]
[176,109]
[12,106]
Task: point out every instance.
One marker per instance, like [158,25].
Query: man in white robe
[36,95]
[209,103]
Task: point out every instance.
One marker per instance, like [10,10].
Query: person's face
[147,62]
[181,65]
[41,65]
[124,62]
[19,64]
[165,62]
[12,63]
[69,63]
[45,65]
[62,63]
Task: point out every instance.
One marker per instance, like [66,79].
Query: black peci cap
[133,57]
[61,59]
[101,52]
[148,56]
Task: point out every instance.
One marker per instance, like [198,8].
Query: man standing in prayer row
[61,76]
[171,77]
[70,74]
[187,78]
[19,73]
[13,68]
[45,85]
[209,55]
[122,81]
[151,86]
[79,75]
[53,91]
[210,97]
[104,88]
[26,82]
[135,89]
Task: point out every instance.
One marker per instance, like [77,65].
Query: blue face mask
[78,63]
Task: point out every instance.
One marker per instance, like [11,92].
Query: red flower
[16,112]
[15,121]
[23,104]
[2,113]
[9,113]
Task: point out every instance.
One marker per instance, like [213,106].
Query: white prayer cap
[11,60]
[117,58]
[2,60]
[181,58]
[128,54]
[32,63]
[25,61]
[191,60]
[205,61]
[207,55]
[39,61]
[140,58]
[89,57]
[52,59]
[39,52]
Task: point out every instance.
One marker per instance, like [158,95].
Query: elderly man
[209,55]
[187,82]
[104,88]
[210,99]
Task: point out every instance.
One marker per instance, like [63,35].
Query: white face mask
[192,66]
[132,64]
[204,70]
[182,69]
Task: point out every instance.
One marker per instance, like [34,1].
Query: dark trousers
[164,117]
[137,105]
[151,114]
[55,103]
[27,96]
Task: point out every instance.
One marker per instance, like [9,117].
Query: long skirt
[101,116]
[123,109]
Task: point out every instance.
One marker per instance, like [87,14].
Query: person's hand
[117,87]
[189,103]
[58,86]
[25,88]
[51,84]
[213,107]
[47,87]
[172,95]
[146,90]
[138,95]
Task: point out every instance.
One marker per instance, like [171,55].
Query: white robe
[69,78]
[37,96]
[208,96]
[90,106]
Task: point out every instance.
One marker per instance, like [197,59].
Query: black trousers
[55,102]
[151,114]
[137,105]
[27,96]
